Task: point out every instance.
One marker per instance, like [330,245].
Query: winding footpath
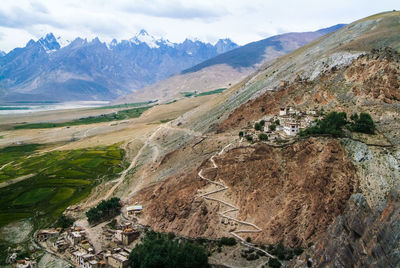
[231,208]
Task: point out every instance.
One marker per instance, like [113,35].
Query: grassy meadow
[125,105]
[58,179]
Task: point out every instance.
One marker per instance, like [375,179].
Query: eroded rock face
[292,193]
[361,237]
[378,170]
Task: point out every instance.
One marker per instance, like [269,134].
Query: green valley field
[40,186]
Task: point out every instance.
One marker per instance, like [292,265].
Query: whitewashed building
[291,128]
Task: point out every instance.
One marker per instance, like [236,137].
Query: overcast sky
[208,20]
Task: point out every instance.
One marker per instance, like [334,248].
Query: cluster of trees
[65,222]
[104,211]
[227,241]
[162,250]
[362,123]
[334,122]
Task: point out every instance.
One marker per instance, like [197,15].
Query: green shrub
[171,235]
[263,137]
[248,239]
[272,127]
[257,126]
[157,250]
[64,222]
[241,133]
[227,241]
[262,123]
[277,122]
[274,263]
[298,251]
[249,138]
[279,251]
[252,257]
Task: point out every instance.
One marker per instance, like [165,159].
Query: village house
[291,128]
[25,264]
[283,111]
[76,256]
[43,235]
[129,235]
[118,261]
[134,210]
[60,245]
[75,237]
[85,259]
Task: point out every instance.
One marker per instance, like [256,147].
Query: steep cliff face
[378,170]
[291,193]
[360,237]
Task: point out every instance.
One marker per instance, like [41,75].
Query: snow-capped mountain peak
[49,43]
[144,37]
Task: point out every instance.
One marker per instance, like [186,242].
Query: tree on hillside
[332,124]
[64,222]
[263,137]
[159,250]
[363,123]
[104,211]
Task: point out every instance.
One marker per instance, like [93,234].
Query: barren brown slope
[291,193]
[281,190]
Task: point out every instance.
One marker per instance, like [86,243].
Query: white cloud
[241,20]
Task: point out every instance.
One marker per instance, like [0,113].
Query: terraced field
[51,181]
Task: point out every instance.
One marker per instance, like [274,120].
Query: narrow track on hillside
[231,207]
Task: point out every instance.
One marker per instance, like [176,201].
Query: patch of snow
[112,44]
[166,42]
[49,51]
[63,42]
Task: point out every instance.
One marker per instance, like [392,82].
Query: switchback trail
[231,208]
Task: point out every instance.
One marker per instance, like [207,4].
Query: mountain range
[52,69]
[226,69]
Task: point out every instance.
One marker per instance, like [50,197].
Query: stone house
[43,235]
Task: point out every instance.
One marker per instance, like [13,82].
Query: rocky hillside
[360,237]
[339,194]
[93,70]
[227,68]
[281,190]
